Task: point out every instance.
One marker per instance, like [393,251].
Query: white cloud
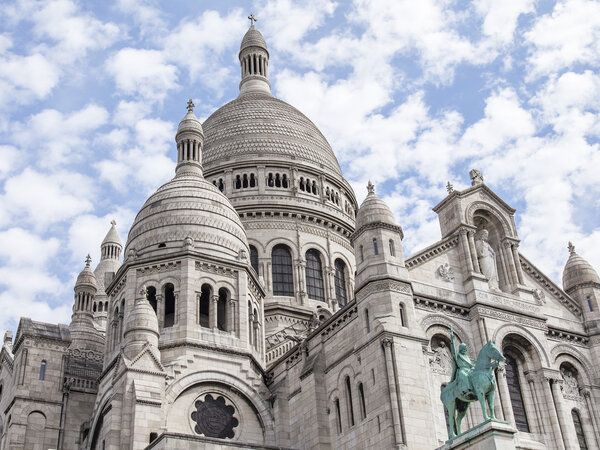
[25,78]
[143,72]
[9,160]
[569,34]
[500,18]
[41,199]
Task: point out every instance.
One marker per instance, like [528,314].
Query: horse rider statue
[461,365]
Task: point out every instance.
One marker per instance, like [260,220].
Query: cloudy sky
[410,94]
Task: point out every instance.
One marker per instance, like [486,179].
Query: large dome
[578,271]
[256,125]
[188,206]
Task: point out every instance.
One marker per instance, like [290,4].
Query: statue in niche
[441,361]
[487,258]
[570,386]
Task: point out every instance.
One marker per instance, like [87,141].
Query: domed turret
[187,212]
[578,272]
[254,61]
[374,210]
[83,333]
[85,288]
[190,140]
[141,326]
[105,271]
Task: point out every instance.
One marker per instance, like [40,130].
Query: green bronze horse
[478,383]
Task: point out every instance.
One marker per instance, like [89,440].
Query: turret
[581,281]
[190,140]
[83,332]
[141,326]
[254,61]
[377,242]
[110,261]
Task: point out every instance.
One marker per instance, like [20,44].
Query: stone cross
[252,19]
[571,248]
[449,188]
[190,105]
[88,260]
[370,188]
[113,222]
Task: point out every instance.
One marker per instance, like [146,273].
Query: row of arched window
[332,196]
[254,64]
[376,250]
[349,406]
[100,306]
[283,274]
[307,186]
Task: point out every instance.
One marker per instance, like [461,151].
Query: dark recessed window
[579,430]
[283,280]
[162,245]
[169,305]
[43,370]
[254,258]
[314,276]
[340,282]
[516,396]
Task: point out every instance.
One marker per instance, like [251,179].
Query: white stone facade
[257,306]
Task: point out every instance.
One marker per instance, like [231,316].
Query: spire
[370,188]
[111,246]
[190,140]
[571,248]
[254,61]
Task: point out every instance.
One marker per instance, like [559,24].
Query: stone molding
[375,226]
[383,286]
[160,268]
[430,304]
[430,252]
[486,311]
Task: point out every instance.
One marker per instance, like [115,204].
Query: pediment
[145,361]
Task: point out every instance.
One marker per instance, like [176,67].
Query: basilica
[256,304]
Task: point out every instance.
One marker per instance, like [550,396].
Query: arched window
[238,182]
[340,282]
[94,307]
[255,328]
[363,404]
[169,305]
[43,370]
[105,306]
[338,415]
[222,309]
[254,258]
[314,275]
[362,254]
[349,399]
[250,333]
[402,315]
[252,180]
[367,320]
[579,429]
[204,306]
[151,296]
[375,249]
[392,249]
[589,302]
[100,306]
[283,280]
[516,396]
[245,180]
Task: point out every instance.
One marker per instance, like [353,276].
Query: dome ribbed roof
[86,277]
[373,210]
[253,38]
[190,123]
[258,125]
[578,271]
[188,206]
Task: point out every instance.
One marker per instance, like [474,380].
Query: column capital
[586,393]
[215,298]
[387,342]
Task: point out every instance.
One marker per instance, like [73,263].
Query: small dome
[190,122]
[578,271]
[188,211]
[253,38]
[142,318]
[112,237]
[86,278]
[374,210]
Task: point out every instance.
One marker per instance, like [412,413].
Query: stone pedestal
[490,435]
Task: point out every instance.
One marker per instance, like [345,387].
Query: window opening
[222,309]
[314,187]
[277,180]
[516,396]
[589,302]
[204,307]
[245,181]
[367,320]
[169,305]
[252,180]
[238,182]
[281,261]
[270,180]
[392,249]
[375,249]
[254,258]
[151,297]
[340,282]
[284,181]
[314,275]
[579,430]
[43,370]
[339,415]
[363,405]
[350,406]
[402,318]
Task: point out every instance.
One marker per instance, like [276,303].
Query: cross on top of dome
[571,248]
[88,260]
[370,188]
[190,105]
[252,18]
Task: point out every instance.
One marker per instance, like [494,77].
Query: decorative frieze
[440,306]
[214,268]
[384,286]
[170,266]
[567,336]
[510,318]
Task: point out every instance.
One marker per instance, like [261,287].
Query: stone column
[301,282]
[566,422]
[230,316]
[330,286]
[464,243]
[538,410]
[394,400]
[261,179]
[505,397]
[517,262]
[471,238]
[587,394]
[551,409]
[509,267]
[228,182]
[212,313]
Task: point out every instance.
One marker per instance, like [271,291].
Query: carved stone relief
[446,272]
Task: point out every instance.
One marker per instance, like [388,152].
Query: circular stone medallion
[214,418]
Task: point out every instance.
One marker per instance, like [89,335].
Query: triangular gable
[145,361]
[470,190]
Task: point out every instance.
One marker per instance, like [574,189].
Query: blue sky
[409,94]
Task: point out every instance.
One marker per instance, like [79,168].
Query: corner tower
[282,177]
[110,261]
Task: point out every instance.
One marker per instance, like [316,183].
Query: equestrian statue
[470,382]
